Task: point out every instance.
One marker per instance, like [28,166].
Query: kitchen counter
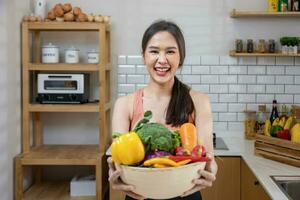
[262,168]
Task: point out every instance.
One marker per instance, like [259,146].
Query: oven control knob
[47,97]
[73,97]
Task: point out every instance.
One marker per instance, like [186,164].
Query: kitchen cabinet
[38,154]
[250,186]
[227,184]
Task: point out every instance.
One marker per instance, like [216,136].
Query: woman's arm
[121,115]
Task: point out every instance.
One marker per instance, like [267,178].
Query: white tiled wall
[233,84]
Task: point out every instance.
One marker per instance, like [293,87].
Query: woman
[172,103]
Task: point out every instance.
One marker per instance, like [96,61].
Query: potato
[58,10]
[51,15]
[67,7]
[69,17]
[76,11]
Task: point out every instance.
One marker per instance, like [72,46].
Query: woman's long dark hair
[181,105]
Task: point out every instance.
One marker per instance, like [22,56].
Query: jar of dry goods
[261,46]
[238,46]
[271,46]
[250,46]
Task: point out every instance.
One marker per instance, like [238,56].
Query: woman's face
[162,57]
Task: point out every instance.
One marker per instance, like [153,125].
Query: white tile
[213,97]
[209,79]
[136,79]
[218,88]
[228,78]
[241,117]
[284,61]
[185,69]
[237,88]
[138,86]
[227,98]
[297,99]
[247,79]
[284,79]
[266,60]
[141,69]
[297,61]
[237,69]
[126,69]
[284,98]
[247,60]
[219,69]
[264,98]
[228,117]
[121,79]
[210,60]
[201,88]
[252,106]
[147,78]
[256,70]
[219,107]
[245,98]
[192,60]
[126,88]
[236,107]
[265,79]
[292,89]
[277,89]
[275,70]
[219,126]
[121,94]
[256,89]
[228,60]
[215,116]
[200,69]
[295,70]
[135,60]
[297,79]
[236,126]
[122,60]
[191,78]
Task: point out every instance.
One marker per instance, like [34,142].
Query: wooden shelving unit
[40,155]
[245,54]
[241,14]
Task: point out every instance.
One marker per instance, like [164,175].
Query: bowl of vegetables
[158,162]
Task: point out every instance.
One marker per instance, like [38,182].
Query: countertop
[261,167]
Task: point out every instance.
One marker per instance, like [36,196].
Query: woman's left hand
[206,179]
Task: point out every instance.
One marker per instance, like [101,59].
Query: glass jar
[261,46]
[239,46]
[250,46]
[271,46]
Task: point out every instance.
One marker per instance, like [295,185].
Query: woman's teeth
[161,69]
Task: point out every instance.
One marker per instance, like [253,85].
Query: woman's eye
[170,52]
[153,52]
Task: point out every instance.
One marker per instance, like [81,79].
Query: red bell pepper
[192,158]
[284,134]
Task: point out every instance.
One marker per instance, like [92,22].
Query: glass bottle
[261,46]
[250,46]
[271,46]
[238,46]
[274,113]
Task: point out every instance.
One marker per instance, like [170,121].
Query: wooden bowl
[161,183]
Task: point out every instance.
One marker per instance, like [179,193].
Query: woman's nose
[162,58]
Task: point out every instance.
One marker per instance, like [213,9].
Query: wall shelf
[245,54]
[240,14]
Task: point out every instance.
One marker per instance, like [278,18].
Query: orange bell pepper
[188,135]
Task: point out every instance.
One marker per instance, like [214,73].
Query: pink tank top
[138,110]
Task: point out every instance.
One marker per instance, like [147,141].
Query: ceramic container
[93,56]
[72,55]
[50,53]
[161,183]
[40,8]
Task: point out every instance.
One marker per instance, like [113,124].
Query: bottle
[271,46]
[273,6]
[261,46]
[274,113]
[238,46]
[250,46]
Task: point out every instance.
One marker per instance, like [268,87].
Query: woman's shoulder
[124,101]
[199,97]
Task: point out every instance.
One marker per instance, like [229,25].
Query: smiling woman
[172,103]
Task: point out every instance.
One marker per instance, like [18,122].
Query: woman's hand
[206,179]
[117,183]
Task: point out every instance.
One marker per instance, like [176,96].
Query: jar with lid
[72,55]
[261,46]
[238,46]
[250,46]
[271,46]
[50,53]
[93,56]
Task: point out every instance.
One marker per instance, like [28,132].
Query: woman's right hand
[117,183]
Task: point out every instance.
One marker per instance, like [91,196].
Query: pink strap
[138,109]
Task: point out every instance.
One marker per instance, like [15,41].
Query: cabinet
[262,14]
[37,154]
[250,187]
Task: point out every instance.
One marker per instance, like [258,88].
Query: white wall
[11,13]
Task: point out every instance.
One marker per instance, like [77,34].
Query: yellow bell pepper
[128,149]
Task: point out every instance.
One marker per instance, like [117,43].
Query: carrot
[188,135]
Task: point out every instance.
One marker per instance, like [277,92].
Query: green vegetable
[156,136]
[275,129]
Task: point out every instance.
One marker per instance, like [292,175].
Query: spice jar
[250,46]
[93,56]
[261,46]
[71,55]
[271,46]
[50,53]
[238,46]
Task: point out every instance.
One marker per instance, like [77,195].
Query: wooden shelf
[52,190]
[239,14]
[66,67]
[65,26]
[86,107]
[62,155]
[245,54]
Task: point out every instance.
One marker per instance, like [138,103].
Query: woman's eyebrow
[154,47]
